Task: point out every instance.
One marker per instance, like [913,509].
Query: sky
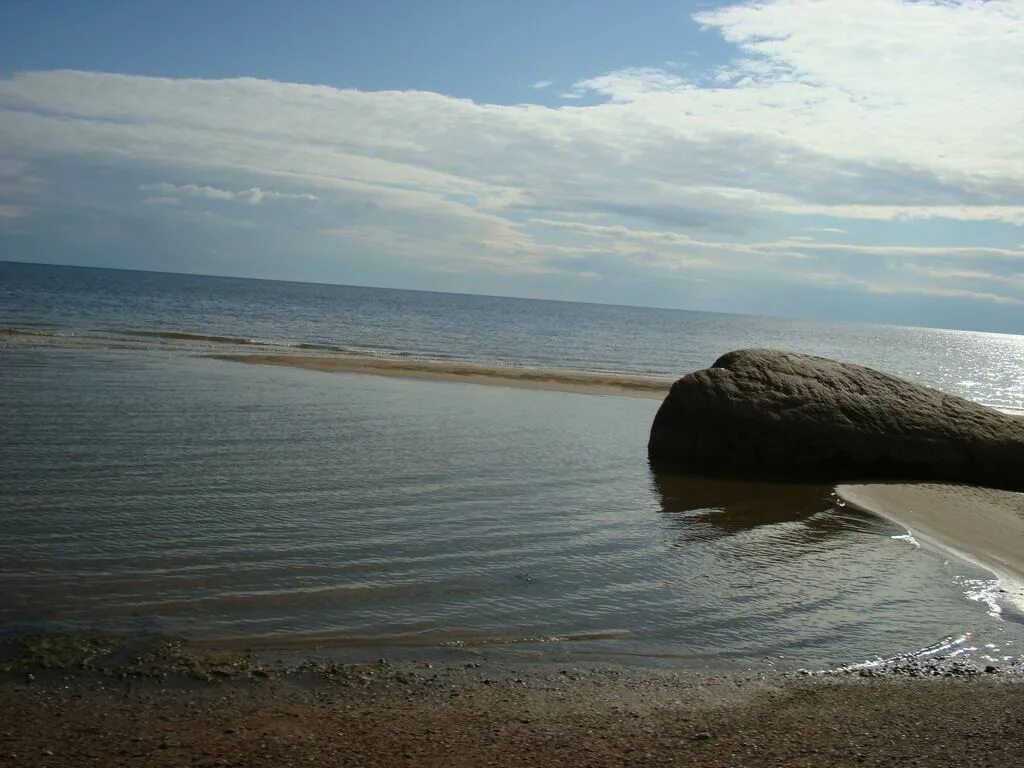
[841,159]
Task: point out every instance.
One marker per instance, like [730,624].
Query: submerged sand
[583,382]
[982,525]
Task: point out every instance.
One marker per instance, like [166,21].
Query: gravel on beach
[469,715]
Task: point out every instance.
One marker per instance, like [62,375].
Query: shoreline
[983,526]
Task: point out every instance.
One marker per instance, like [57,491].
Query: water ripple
[181,495]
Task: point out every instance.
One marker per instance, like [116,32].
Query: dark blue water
[148,489]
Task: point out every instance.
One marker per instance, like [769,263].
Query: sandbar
[982,525]
[583,382]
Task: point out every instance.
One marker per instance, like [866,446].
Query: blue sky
[484,51]
[848,159]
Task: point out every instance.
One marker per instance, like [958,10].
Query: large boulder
[767,414]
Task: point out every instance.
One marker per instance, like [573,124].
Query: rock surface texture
[768,414]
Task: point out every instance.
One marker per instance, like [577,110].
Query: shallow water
[158,492]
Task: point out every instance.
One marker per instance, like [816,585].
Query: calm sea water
[152,489]
[983,366]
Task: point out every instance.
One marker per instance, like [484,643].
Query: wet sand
[982,525]
[72,701]
[583,382]
[467,718]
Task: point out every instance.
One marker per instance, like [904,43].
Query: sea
[148,488]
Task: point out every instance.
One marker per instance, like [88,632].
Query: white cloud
[630,85]
[961,274]
[252,196]
[930,83]
[908,251]
[1010,214]
[542,84]
[891,287]
[796,247]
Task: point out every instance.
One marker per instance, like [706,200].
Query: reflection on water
[147,492]
[734,506]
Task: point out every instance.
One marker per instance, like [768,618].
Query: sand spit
[982,525]
[335,359]
[584,382]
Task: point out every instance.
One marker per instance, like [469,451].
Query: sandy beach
[583,382]
[982,525]
[378,715]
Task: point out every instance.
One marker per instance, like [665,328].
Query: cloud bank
[864,147]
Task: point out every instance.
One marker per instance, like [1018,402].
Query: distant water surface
[156,491]
[986,367]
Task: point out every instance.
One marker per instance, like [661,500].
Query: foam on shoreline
[984,526]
